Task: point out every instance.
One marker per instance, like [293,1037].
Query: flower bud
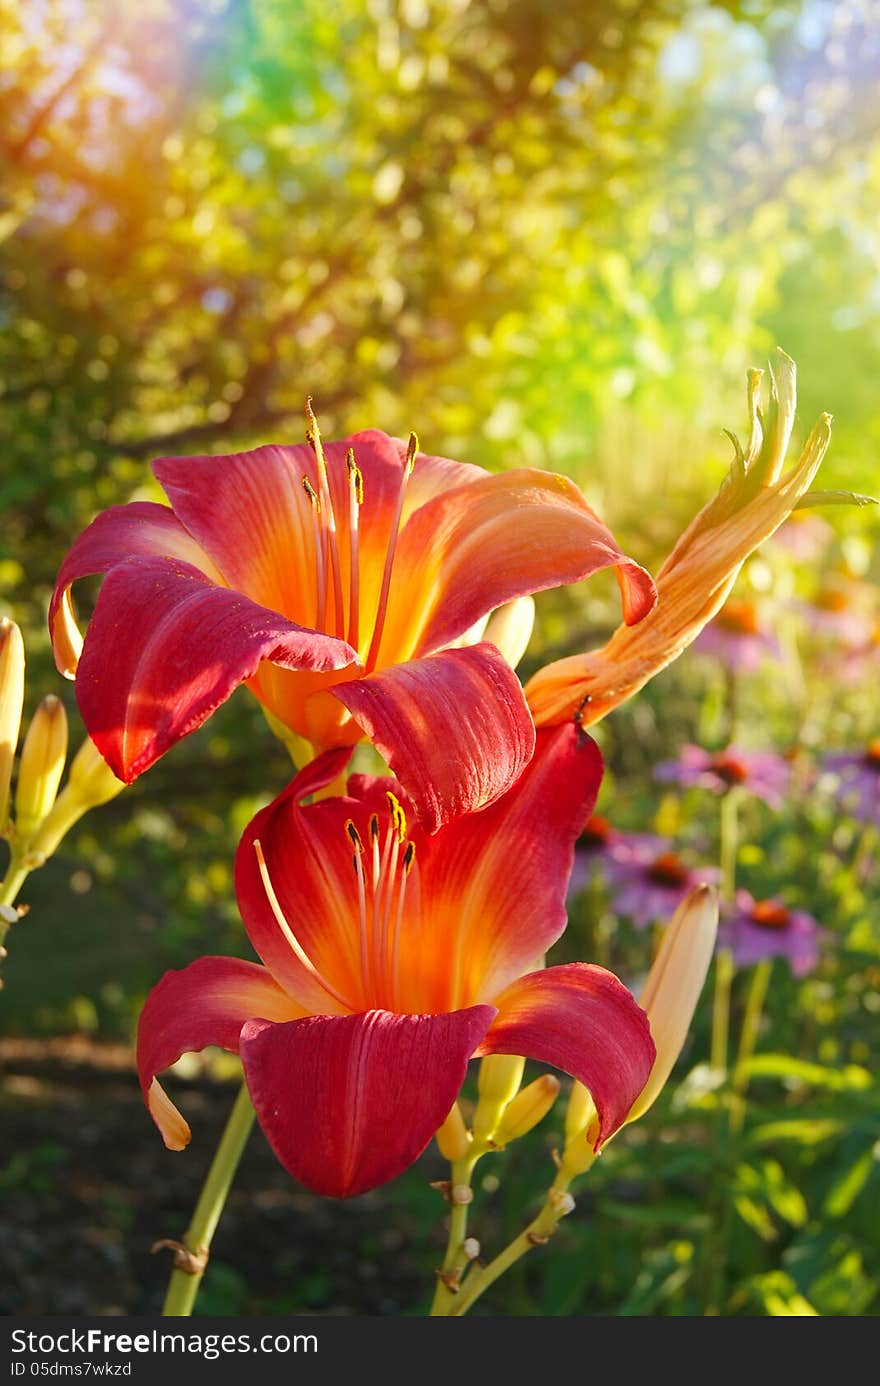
[41,766]
[90,783]
[673,986]
[528,1108]
[453,1137]
[11,700]
[498,1082]
[509,628]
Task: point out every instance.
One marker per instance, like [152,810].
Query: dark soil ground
[87,1187]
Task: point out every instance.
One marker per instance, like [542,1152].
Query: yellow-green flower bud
[90,783]
[528,1108]
[41,766]
[580,1111]
[11,700]
[498,1082]
[453,1137]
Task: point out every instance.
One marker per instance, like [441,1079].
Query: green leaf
[849,1078]
[803,1130]
[847,1188]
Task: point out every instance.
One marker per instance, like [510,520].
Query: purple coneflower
[597,837]
[759,929]
[763,773]
[803,536]
[840,610]
[737,637]
[858,781]
[648,880]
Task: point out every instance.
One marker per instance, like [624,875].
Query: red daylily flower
[390,958]
[333,581]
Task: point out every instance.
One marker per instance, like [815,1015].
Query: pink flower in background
[857,781]
[804,536]
[591,847]
[861,662]
[765,774]
[759,929]
[648,879]
[738,638]
[843,610]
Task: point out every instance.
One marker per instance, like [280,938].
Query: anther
[409,857]
[356,476]
[412,448]
[354,835]
[398,817]
[312,494]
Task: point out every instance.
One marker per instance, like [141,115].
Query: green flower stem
[455,1260]
[192,1259]
[728,849]
[11,884]
[748,1035]
[555,1206]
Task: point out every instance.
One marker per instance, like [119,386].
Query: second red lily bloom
[334,581]
[390,959]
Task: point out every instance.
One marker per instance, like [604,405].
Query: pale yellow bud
[453,1137]
[580,1111]
[11,701]
[528,1108]
[498,1082]
[41,766]
[90,783]
[674,983]
[509,628]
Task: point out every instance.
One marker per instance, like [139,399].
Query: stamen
[398,817]
[320,555]
[354,835]
[313,437]
[291,938]
[355,501]
[412,448]
[362,919]
[409,857]
[381,940]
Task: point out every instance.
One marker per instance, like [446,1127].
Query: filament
[381,610]
[300,953]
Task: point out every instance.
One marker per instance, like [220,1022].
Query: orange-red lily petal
[402,954]
[692,585]
[315,574]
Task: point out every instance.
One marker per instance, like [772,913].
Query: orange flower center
[668,870]
[728,769]
[371,978]
[872,755]
[831,599]
[596,833]
[769,914]
[739,616]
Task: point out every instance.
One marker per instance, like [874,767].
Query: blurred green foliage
[551,234]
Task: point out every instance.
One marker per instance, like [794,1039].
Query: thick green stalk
[557,1205]
[456,1259]
[191,1257]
